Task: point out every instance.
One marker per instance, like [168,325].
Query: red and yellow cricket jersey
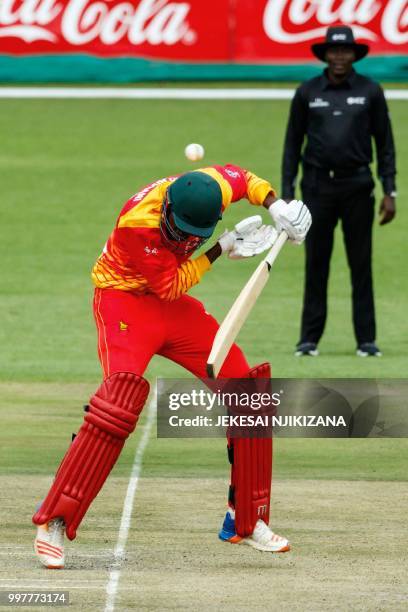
[136,259]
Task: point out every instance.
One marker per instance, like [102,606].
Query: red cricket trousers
[132,328]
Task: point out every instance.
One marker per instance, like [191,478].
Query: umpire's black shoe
[304,349]
[368,349]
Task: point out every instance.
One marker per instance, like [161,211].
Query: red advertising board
[253,31]
[276,30]
[159,29]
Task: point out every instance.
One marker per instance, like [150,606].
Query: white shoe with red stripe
[264,539]
[49,543]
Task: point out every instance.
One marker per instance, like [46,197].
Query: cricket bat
[241,308]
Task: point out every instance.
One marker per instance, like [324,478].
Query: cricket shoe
[262,537]
[304,349]
[49,543]
[368,349]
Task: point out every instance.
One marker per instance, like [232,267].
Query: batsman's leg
[129,333]
[247,519]
[111,416]
[189,343]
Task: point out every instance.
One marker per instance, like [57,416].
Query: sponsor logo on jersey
[232,173]
[150,251]
[360,100]
[143,193]
[318,102]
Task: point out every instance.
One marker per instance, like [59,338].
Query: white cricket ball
[194,151]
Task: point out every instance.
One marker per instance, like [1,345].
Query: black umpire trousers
[351,201]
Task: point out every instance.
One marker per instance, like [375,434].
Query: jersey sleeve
[384,140]
[242,183]
[295,133]
[165,276]
[257,188]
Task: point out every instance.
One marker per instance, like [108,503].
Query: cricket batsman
[142,308]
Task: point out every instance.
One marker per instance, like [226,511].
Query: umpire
[339,112]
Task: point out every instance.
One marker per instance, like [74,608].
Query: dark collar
[346,84]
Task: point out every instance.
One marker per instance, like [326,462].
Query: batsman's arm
[237,183]
[269,200]
[258,189]
[148,260]
[214,253]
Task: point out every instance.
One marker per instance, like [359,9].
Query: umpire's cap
[195,199]
[337,36]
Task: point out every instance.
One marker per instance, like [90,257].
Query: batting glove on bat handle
[227,241]
[294,218]
[254,243]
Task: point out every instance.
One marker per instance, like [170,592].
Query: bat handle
[274,252]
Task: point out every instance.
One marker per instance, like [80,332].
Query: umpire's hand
[387,209]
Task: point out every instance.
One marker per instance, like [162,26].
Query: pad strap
[112,415]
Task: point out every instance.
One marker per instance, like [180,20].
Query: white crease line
[25,551]
[174,93]
[14,546]
[114,574]
[56,581]
[56,585]
[148,93]
[53,585]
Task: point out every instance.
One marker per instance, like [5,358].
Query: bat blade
[240,310]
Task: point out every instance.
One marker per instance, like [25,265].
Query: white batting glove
[254,243]
[249,238]
[294,218]
[227,241]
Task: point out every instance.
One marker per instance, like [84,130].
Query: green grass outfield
[66,168]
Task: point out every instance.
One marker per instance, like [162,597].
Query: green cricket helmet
[190,212]
[195,200]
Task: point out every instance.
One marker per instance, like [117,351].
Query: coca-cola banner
[285,29]
[197,30]
[216,34]
[111,28]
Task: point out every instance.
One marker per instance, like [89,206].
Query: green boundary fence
[87,68]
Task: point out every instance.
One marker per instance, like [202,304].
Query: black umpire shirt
[339,122]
